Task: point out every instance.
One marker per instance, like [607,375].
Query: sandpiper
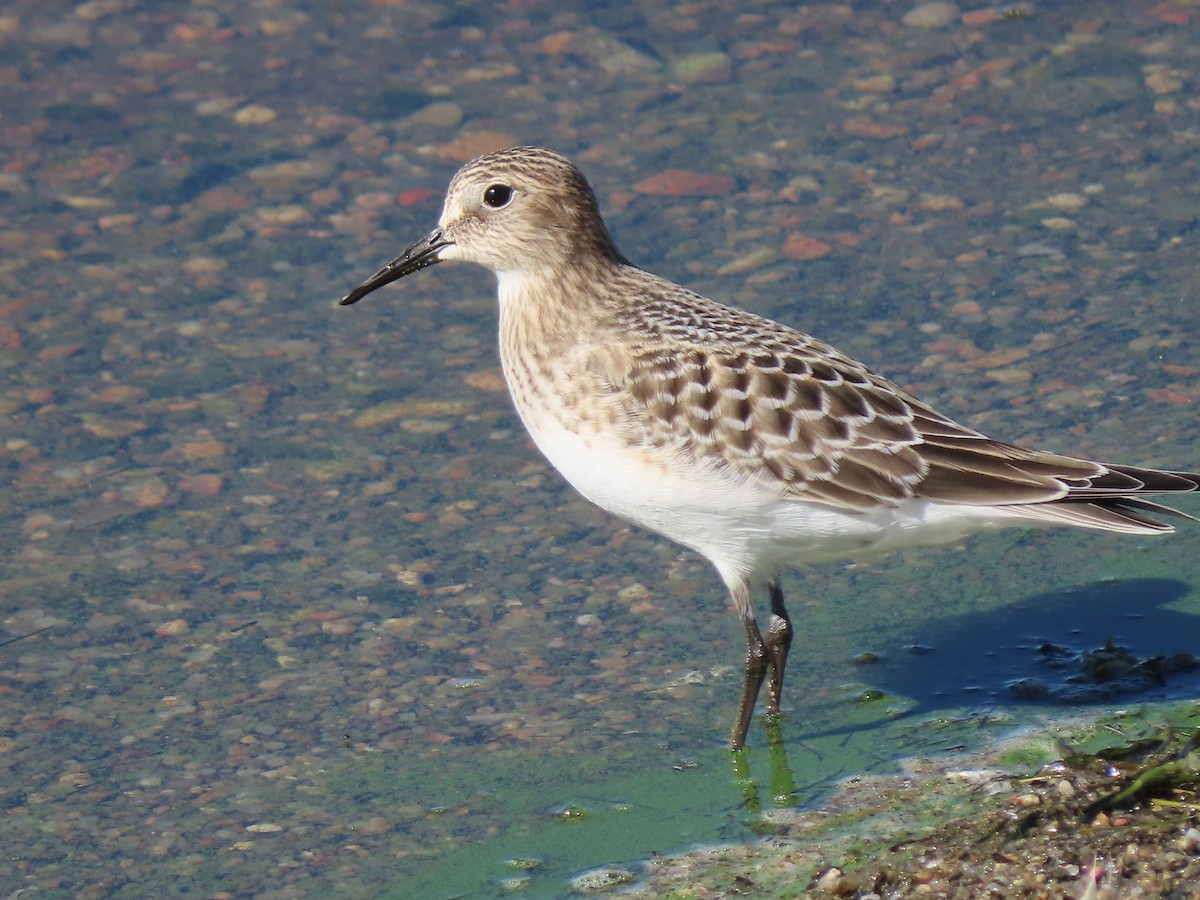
[752,443]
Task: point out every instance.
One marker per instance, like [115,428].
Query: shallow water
[293,606]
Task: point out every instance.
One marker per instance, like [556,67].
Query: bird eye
[497,195]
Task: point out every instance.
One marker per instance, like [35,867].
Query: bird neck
[545,309]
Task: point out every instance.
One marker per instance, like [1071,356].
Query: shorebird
[745,440]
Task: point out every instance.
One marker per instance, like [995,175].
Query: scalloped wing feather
[816,425]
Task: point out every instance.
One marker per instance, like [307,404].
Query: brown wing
[802,422]
[825,428]
[780,406]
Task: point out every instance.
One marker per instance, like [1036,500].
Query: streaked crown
[523,209]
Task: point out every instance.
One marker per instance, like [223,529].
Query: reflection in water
[782,783]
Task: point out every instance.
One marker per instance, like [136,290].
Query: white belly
[743,527]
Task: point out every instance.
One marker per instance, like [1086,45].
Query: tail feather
[1111,499]
[1102,516]
[1116,480]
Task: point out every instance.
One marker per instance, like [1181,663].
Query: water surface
[292,605]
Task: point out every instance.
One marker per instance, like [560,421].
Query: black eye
[497,195]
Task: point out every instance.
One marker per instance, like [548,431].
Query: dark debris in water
[1103,674]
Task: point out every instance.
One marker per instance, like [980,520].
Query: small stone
[284,175]
[1067,201]
[437,115]
[191,328]
[117,220]
[998,358]
[11,183]
[940,202]
[523,863]
[59,351]
[492,71]
[385,413]
[751,262]
[1038,249]
[206,485]
[379,488]
[264,828]
[803,247]
[557,42]
[149,494]
[469,146]
[402,626]
[427,426]
[1191,840]
[635,591]
[875,84]
[702,68]
[685,183]
[1163,80]
[112,428]
[829,880]
[203,265]
[603,879]
[415,197]
[291,214]
[571,812]
[931,15]
[374,825]
[491,380]
[10,337]
[862,126]
[174,628]
[209,449]
[83,202]
[254,115]
[38,521]
[215,107]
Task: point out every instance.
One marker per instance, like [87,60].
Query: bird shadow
[1104,642]
[1089,643]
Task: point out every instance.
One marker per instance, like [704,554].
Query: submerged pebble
[603,879]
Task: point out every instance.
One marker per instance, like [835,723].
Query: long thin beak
[424,252]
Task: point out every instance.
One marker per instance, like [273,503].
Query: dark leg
[756,669]
[778,643]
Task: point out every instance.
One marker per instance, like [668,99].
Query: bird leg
[762,657]
[778,643]
[757,660]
